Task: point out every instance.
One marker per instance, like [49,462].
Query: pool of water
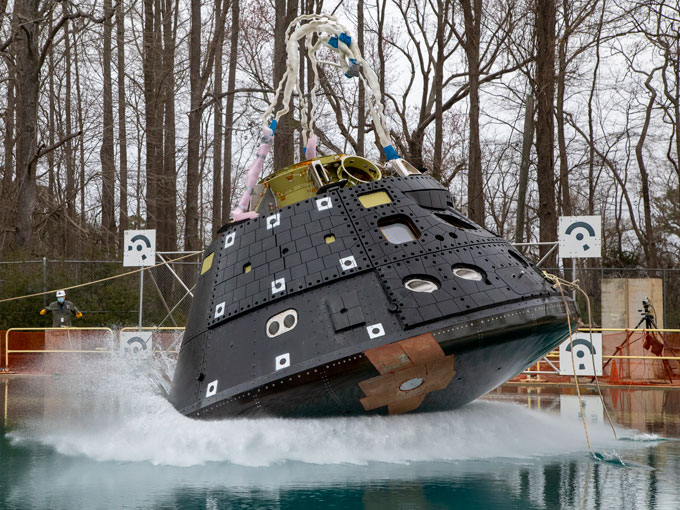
[104,436]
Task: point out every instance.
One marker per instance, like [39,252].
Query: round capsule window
[468,273]
[419,284]
[273,328]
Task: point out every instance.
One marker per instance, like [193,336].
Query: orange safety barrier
[22,344]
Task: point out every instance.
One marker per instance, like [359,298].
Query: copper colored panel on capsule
[388,358]
[421,348]
[378,390]
[440,373]
[417,364]
[405,404]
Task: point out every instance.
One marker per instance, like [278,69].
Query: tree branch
[42,150]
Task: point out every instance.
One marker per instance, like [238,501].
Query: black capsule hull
[362,342]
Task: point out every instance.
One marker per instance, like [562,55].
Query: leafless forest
[118,114]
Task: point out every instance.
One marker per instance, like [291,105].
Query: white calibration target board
[580,236]
[136,343]
[583,359]
[139,248]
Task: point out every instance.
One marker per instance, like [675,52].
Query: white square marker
[229,240]
[348,263]
[212,389]
[323,204]
[273,221]
[219,309]
[375,331]
[282,361]
[278,286]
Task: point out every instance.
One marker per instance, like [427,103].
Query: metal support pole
[141,296]
[6,400]
[573,277]
[555,245]
[44,268]
[175,274]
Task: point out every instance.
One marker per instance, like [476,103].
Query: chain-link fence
[590,280]
[111,303]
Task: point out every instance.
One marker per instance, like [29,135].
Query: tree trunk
[191,241]
[152,116]
[649,244]
[28,78]
[564,195]
[472,14]
[6,194]
[284,141]
[122,133]
[545,94]
[81,143]
[9,133]
[527,140]
[229,111]
[106,152]
[69,240]
[51,183]
[438,93]
[167,192]
[217,132]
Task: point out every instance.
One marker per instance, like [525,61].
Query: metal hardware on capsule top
[358,170]
[401,167]
[319,174]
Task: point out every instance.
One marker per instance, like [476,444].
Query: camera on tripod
[646,313]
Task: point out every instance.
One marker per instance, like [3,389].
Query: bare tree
[472,16]
[122,132]
[217,131]
[545,95]
[229,111]
[198,79]
[527,140]
[284,147]
[106,152]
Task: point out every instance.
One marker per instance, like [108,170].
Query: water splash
[644,438]
[609,457]
[116,411]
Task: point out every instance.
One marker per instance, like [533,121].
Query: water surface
[104,436]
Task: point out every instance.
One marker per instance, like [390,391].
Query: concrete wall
[621,300]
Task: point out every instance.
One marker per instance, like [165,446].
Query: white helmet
[61,293]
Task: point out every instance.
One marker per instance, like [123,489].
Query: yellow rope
[573,363]
[99,281]
[574,285]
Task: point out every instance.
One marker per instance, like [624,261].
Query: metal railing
[112,335]
[99,350]
[554,355]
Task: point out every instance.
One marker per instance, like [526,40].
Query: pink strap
[241,212]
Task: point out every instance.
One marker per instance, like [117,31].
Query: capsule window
[398,229]
[421,284]
[281,323]
[468,273]
[454,221]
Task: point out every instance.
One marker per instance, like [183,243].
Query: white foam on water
[115,412]
[644,437]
